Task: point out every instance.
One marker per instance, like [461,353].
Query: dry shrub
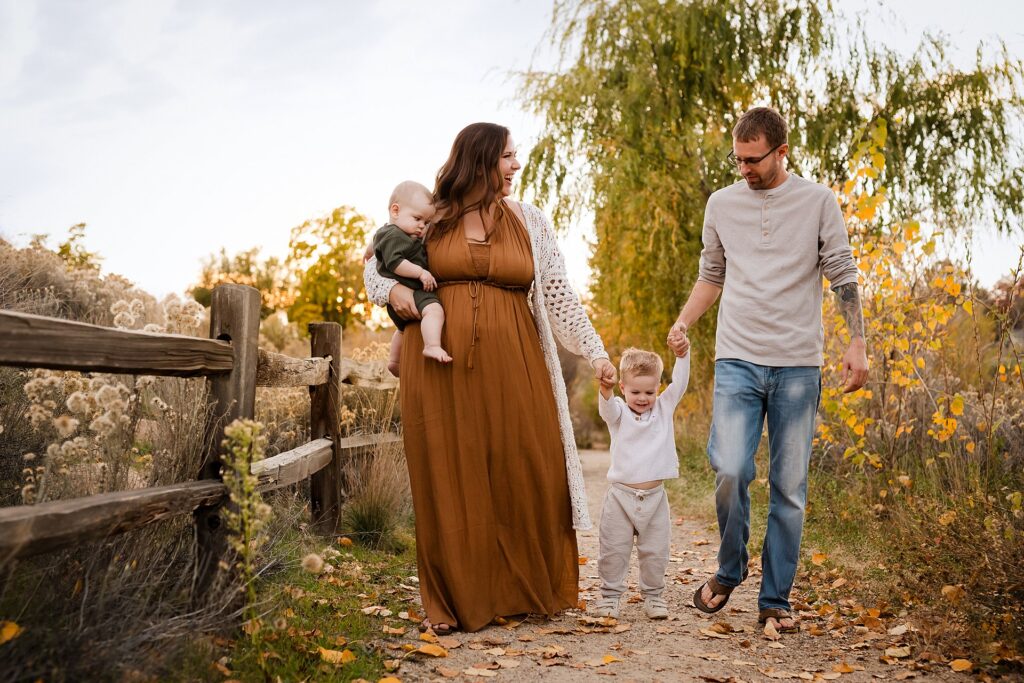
[934,445]
[379,508]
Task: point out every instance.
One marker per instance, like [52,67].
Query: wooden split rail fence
[235,366]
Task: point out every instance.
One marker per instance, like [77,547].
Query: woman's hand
[604,371]
[402,301]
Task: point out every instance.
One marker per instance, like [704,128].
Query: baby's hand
[429,283]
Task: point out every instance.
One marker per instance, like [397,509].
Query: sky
[174,128]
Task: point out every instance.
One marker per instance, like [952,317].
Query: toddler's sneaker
[608,607]
[655,607]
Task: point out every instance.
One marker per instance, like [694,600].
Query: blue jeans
[745,394]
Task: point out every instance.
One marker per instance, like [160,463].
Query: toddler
[643,454]
[401,256]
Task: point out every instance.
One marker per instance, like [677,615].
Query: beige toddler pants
[629,512]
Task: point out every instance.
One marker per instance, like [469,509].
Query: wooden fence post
[235,318]
[328,487]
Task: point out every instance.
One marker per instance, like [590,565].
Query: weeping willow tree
[639,111]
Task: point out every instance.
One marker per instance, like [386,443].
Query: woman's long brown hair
[473,160]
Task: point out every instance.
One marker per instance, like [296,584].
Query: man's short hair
[406,190]
[639,363]
[762,121]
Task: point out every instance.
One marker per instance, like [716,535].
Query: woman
[496,481]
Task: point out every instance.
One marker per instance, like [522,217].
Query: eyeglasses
[751,161]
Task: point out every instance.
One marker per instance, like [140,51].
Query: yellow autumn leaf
[345,541]
[9,631]
[946,518]
[970,446]
[953,593]
[843,668]
[961,665]
[336,656]
[969,307]
[389,679]
[432,650]
[818,559]
[956,406]
[608,659]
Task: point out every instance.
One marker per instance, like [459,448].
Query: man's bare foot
[437,353]
[784,625]
[710,598]
[393,367]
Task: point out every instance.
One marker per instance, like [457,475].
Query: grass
[303,612]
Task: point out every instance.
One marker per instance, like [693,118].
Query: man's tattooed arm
[848,300]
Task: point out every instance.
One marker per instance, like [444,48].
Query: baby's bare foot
[437,353]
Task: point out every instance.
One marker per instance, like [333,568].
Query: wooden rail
[32,341]
[235,367]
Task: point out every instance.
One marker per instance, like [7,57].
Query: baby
[643,453]
[401,256]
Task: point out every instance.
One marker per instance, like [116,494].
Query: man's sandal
[778,615]
[717,589]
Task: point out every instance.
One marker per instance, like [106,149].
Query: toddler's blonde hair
[640,363]
[406,190]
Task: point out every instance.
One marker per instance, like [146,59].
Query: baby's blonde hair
[640,363]
[406,190]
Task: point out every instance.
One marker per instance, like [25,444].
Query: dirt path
[687,647]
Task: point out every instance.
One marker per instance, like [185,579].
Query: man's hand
[402,301]
[677,340]
[429,283]
[604,371]
[855,366]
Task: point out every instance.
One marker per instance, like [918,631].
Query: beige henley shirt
[768,250]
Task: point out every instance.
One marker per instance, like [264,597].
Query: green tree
[269,276]
[326,259]
[638,118]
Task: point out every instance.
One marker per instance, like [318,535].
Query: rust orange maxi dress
[494,531]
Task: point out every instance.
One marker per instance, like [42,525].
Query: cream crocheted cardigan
[563,315]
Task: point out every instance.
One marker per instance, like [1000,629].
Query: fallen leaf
[393,631]
[450,642]
[496,652]
[391,665]
[897,652]
[898,630]
[608,659]
[770,632]
[818,559]
[838,583]
[345,541]
[961,665]
[621,628]
[713,657]
[506,663]
[479,672]
[336,656]
[225,671]
[432,650]
[843,668]
[953,593]
[947,518]
[713,634]
[722,627]
[428,637]
[582,559]
[446,672]
[9,631]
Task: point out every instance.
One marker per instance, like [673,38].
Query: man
[768,240]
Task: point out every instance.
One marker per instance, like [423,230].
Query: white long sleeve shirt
[644,446]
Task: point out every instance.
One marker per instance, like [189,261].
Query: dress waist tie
[476,293]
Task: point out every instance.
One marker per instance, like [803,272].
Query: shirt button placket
[764,221]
